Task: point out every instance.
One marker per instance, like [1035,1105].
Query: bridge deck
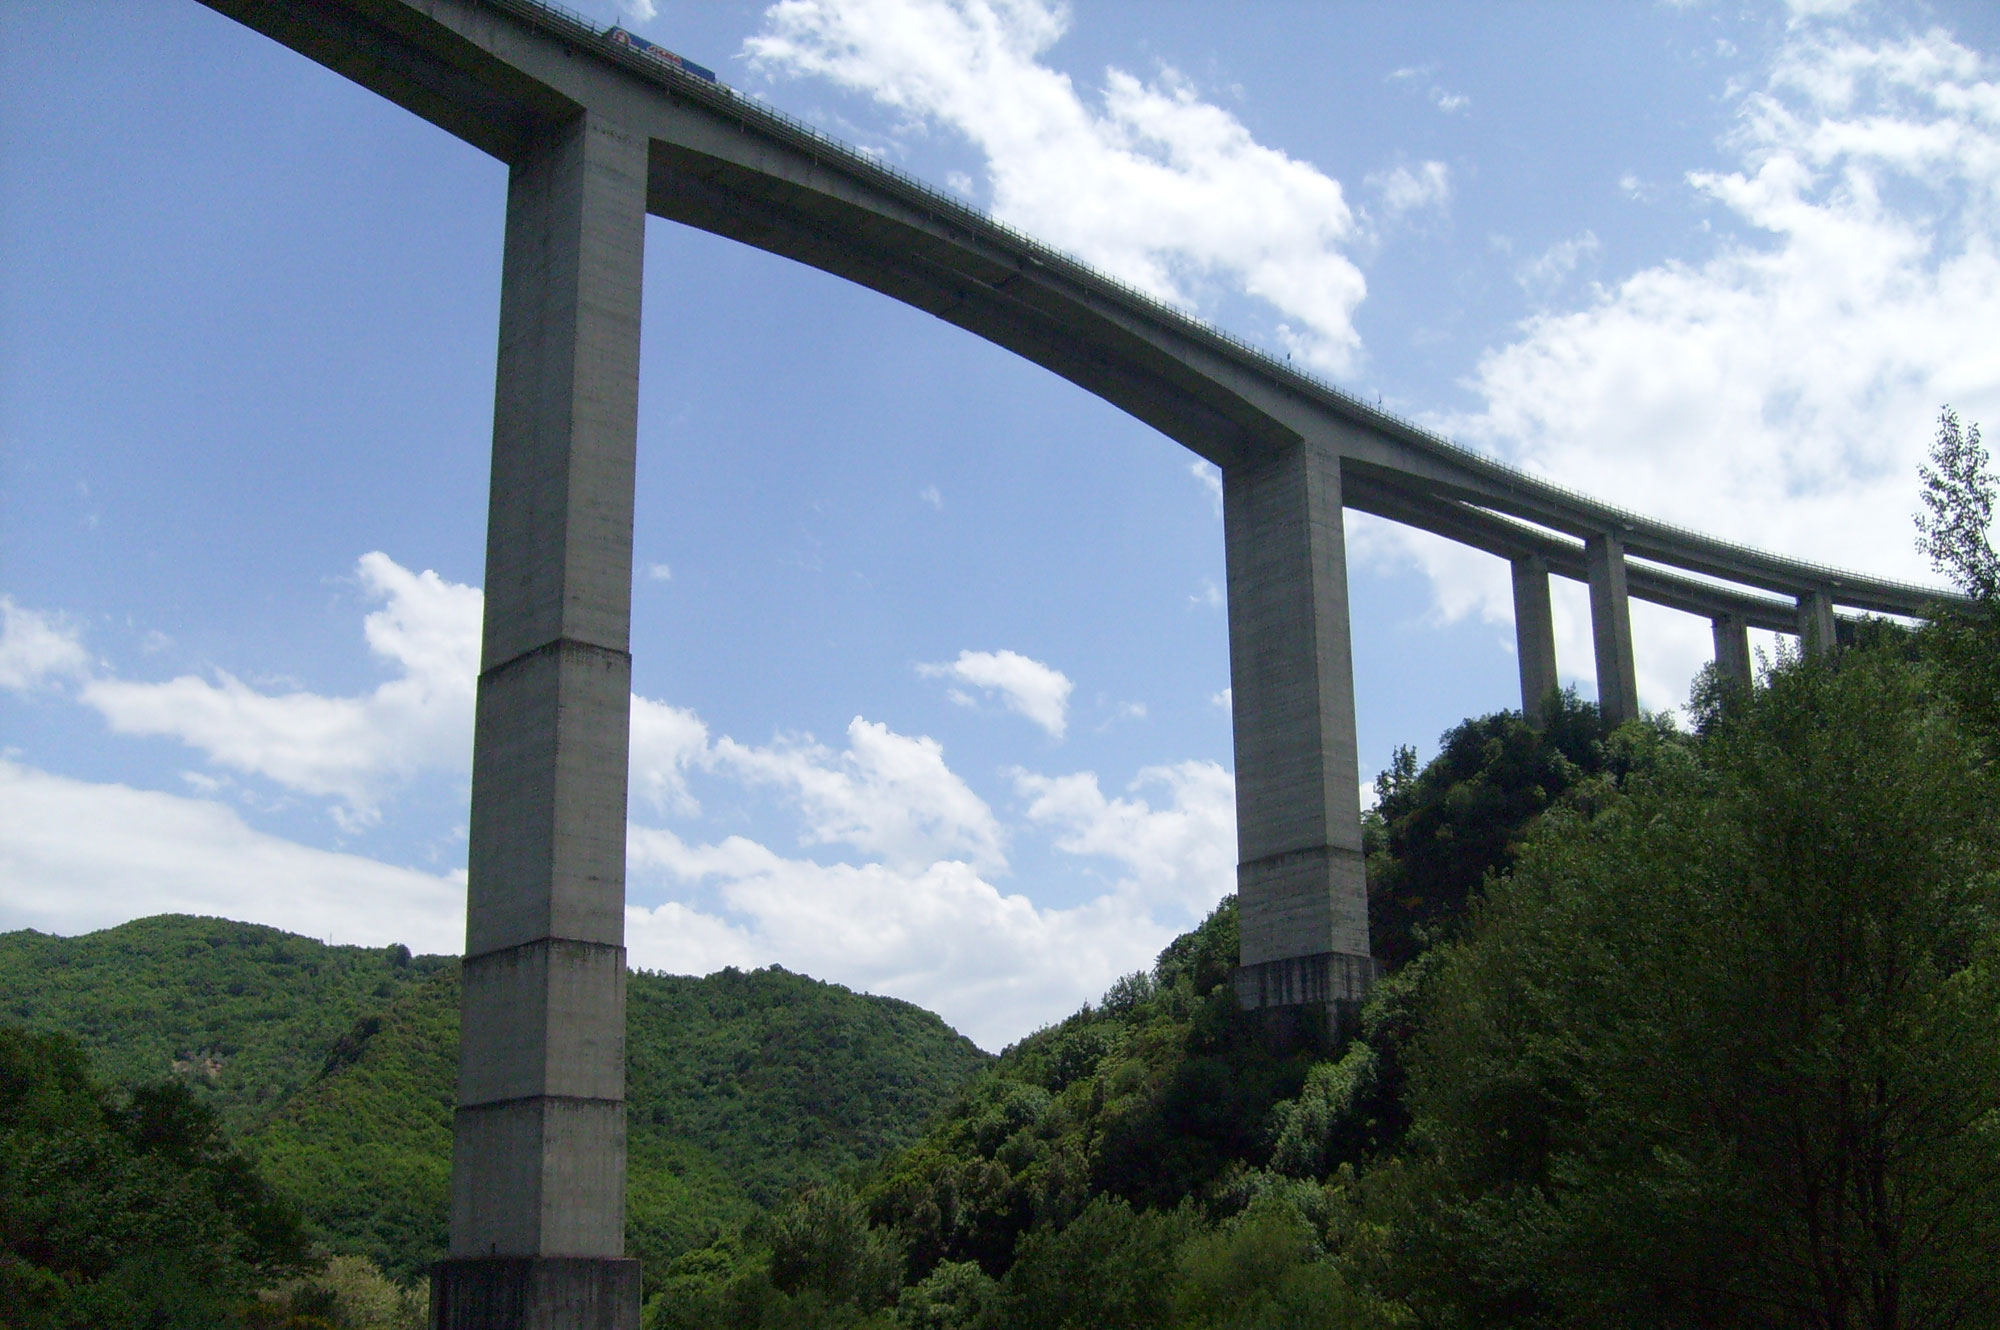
[500,73]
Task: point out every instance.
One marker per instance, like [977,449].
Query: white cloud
[350,749]
[1419,76]
[37,648]
[1025,686]
[1543,274]
[1226,699]
[1405,190]
[916,916]
[994,965]
[659,572]
[1811,9]
[1182,854]
[667,742]
[932,497]
[76,856]
[1150,183]
[889,794]
[1207,595]
[1779,389]
[1209,476]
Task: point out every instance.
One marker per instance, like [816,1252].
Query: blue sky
[928,645]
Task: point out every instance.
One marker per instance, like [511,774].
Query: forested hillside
[335,1068]
[741,1087]
[243,1014]
[1690,1028]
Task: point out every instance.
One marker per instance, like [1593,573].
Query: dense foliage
[741,1087]
[1694,1029]
[125,1209]
[241,1013]
[336,1065]
[1438,832]
[1725,1048]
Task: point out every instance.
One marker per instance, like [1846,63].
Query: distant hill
[336,1065]
[243,1013]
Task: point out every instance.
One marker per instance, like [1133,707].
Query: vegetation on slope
[124,1209]
[740,1088]
[1713,1039]
[241,1013]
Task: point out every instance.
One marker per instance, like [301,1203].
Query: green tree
[125,1210]
[1956,531]
[822,1243]
[1442,829]
[1110,1268]
[1958,495]
[1727,1052]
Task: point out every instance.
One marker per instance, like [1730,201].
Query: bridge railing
[954,210]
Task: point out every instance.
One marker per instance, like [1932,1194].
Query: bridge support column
[538,1150]
[1816,624]
[1534,636]
[1611,630]
[1732,650]
[1300,884]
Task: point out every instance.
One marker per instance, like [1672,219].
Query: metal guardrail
[948,208]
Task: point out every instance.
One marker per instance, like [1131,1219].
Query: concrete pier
[1732,650]
[538,1153]
[1816,625]
[1300,882]
[1534,636]
[1611,630]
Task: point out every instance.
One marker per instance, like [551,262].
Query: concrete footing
[535,1293]
[1323,980]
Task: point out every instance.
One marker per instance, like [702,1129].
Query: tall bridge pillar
[538,1148]
[1301,888]
[1534,636]
[1611,630]
[1816,625]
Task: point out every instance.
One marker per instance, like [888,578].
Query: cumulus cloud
[1146,180]
[994,965]
[1209,476]
[1405,190]
[1779,388]
[888,794]
[37,648]
[1183,852]
[76,856]
[915,915]
[349,749]
[1024,686]
[1543,274]
[667,743]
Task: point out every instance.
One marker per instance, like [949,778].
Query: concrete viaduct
[597,136]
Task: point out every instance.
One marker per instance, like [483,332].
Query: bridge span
[597,135]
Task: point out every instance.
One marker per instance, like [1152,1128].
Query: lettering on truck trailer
[661,53]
